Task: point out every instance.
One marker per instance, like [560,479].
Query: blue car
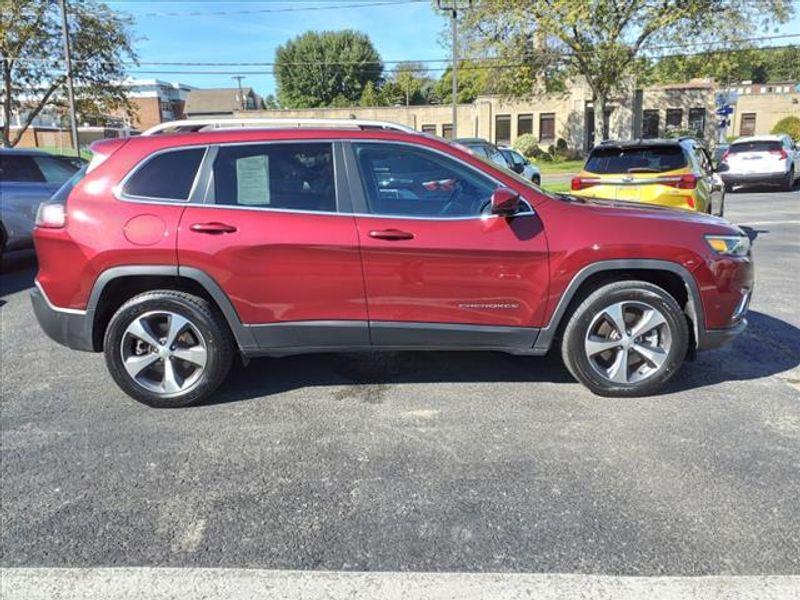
[27,178]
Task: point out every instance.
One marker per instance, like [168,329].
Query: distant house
[220,102]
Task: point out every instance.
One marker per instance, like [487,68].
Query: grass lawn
[556,187]
[567,166]
[66,151]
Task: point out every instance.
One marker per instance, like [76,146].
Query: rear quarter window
[165,176]
[640,159]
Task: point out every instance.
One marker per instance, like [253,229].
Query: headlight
[729,245]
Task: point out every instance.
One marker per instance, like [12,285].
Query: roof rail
[187,125]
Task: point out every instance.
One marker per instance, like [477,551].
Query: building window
[547,127]
[447,131]
[748,124]
[674,118]
[429,129]
[524,124]
[502,130]
[650,124]
[697,120]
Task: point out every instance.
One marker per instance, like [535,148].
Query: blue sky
[412,30]
[399,32]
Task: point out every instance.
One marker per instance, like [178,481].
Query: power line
[422,61]
[261,11]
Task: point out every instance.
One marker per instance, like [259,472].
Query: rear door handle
[391,234]
[213,228]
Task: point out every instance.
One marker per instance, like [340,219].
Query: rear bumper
[714,338]
[754,178]
[71,328]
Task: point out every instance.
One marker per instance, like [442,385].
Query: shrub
[789,126]
[527,145]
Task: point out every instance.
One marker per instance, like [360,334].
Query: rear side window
[55,170]
[641,159]
[166,176]
[20,168]
[282,176]
[757,146]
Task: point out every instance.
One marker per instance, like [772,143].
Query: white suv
[764,159]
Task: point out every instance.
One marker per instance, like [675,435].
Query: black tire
[728,188]
[219,346]
[536,180]
[573,350]
[721,212]
[789,183]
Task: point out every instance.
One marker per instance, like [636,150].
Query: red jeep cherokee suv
[175,251]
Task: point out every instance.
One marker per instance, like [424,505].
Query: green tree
[325,68]
[412,83]
[790,126]
[605,41]
[270,102]
[473,79]
[32,68]
[371,96]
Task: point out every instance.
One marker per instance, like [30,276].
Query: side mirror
[505,201]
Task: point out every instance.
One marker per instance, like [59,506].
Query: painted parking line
[240,584]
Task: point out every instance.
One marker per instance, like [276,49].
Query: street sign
[724,110]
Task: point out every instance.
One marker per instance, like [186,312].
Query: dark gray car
[27,178]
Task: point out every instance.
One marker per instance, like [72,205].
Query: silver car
[27,178]
[520,164]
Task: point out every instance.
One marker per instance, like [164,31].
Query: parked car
[719,152]
[765,159]
[521,165]
[174,253]
[27,178]
[485,150]
[677,173]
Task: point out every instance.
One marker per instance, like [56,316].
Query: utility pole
[239,78]
[453,6]
[73,122]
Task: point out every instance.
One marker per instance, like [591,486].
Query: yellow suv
[673,173]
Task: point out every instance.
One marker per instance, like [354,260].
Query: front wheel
[626,339]
[168,349]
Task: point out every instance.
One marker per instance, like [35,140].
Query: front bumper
[776,178]
[71,328]
[714,338]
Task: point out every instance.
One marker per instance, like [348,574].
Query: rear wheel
[168,349]
[626,339]
[788,185]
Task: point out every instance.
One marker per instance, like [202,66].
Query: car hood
[623,209]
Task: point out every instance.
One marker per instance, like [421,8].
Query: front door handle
[391,234]
[213,228]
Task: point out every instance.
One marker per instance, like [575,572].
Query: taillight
[682,182]
[581,183]
[781,153]
[51,215]
[725,155]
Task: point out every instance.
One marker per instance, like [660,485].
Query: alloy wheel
[163,352]
[628,342]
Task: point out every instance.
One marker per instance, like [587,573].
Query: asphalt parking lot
[467,462]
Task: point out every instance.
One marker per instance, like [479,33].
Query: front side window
[412,182]
[166,176]
[281,176]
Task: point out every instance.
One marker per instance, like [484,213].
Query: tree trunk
[600,120]
[6,135]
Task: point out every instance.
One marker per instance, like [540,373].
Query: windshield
[506,170]
[639,159]
[757,146]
